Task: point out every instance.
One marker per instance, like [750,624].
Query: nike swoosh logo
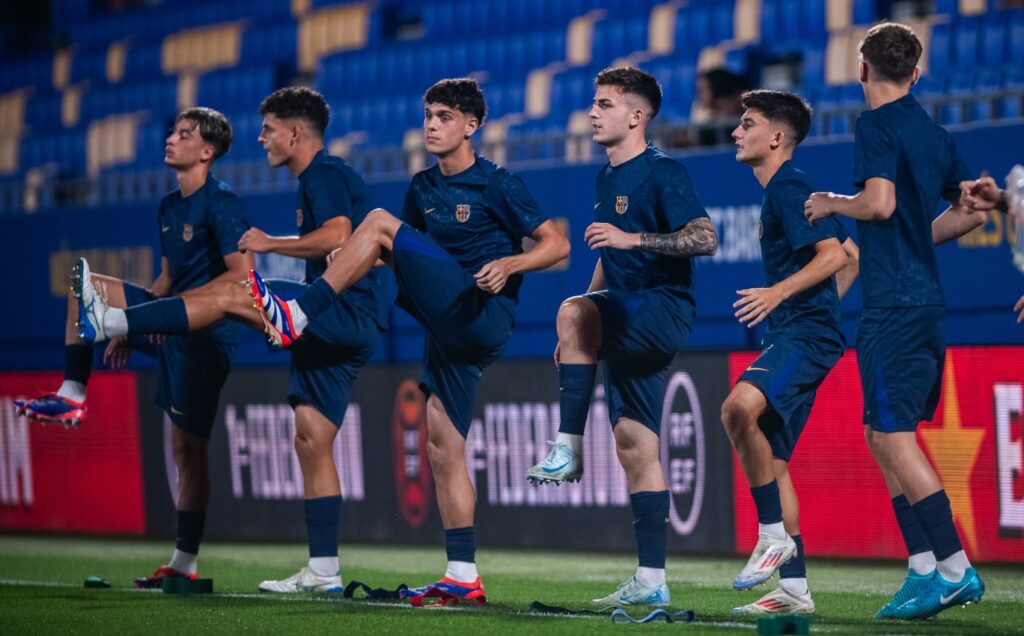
[555,470]
[428,210]
[756,369]
[597,205]
[943,599]
[166,228]
[175,411]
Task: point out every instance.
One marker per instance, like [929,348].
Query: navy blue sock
[650,514]
[913,534]
[167,315]
[317,297]
[796,568]
[576,386]
[323,517]
[77,362]
[190,531]
[768,502]
[460,543]
[936,519]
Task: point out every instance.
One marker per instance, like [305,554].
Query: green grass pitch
[41,591]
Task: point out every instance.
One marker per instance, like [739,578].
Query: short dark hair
[892,50]
[214,128]
[781,107]
[635,82]
[298,102]
[462,93]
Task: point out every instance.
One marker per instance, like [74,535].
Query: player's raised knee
[736,416]
[577,316]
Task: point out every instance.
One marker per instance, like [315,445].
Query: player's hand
[256,240]
[819,206]
[598,235]
[980,194]
[117,352]
[333,254]
[756,303]
[1019,307]
[492,277]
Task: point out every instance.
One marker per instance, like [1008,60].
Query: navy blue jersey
[787,246]
[899,142]
[477,216]
[197,232]
[330,188]
[649,193]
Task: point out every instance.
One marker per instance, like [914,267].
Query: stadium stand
[97,108]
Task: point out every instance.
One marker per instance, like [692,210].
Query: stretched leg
[579,338]
[373,240]
[638,450]
[67,404]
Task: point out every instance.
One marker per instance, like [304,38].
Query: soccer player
[332,200]
[769,406]
[904,164]
[984,194]
[458,260]
[200,225]
[635,315]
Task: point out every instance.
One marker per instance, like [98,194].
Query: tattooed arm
[696,238]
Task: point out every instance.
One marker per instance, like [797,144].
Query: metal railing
[391,163]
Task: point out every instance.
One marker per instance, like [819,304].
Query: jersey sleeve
[678,203]
[788,199]
[411,212]
[957,172]
[328,196]
[518,210]
[874,151]
[229,222]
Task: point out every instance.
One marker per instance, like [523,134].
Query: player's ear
[916,76]
[472,124]
[863,71]
[206,154]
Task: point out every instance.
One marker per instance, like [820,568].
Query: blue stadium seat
[1010,107]
[1016,36]
[947,7]
[939,48]
[722,20]
[771,29]
[812,20]
[993,39]
[965,42]
[812,66]
[866,12]
[982,107]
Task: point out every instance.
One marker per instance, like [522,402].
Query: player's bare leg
[456,501]
[314,445]
[740,413]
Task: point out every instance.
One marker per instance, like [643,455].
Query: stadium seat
[993,39]
[1016,37]
[986,85]
[965,42]
[939,48]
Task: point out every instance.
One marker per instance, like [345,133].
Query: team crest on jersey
[621,204]
[462,212]
[760,230]
[186,233]
[298,217]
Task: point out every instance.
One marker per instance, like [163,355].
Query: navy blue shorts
[641,334]
[467,328]
[192,371]
[901,352]
[328,356]
[788,373]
